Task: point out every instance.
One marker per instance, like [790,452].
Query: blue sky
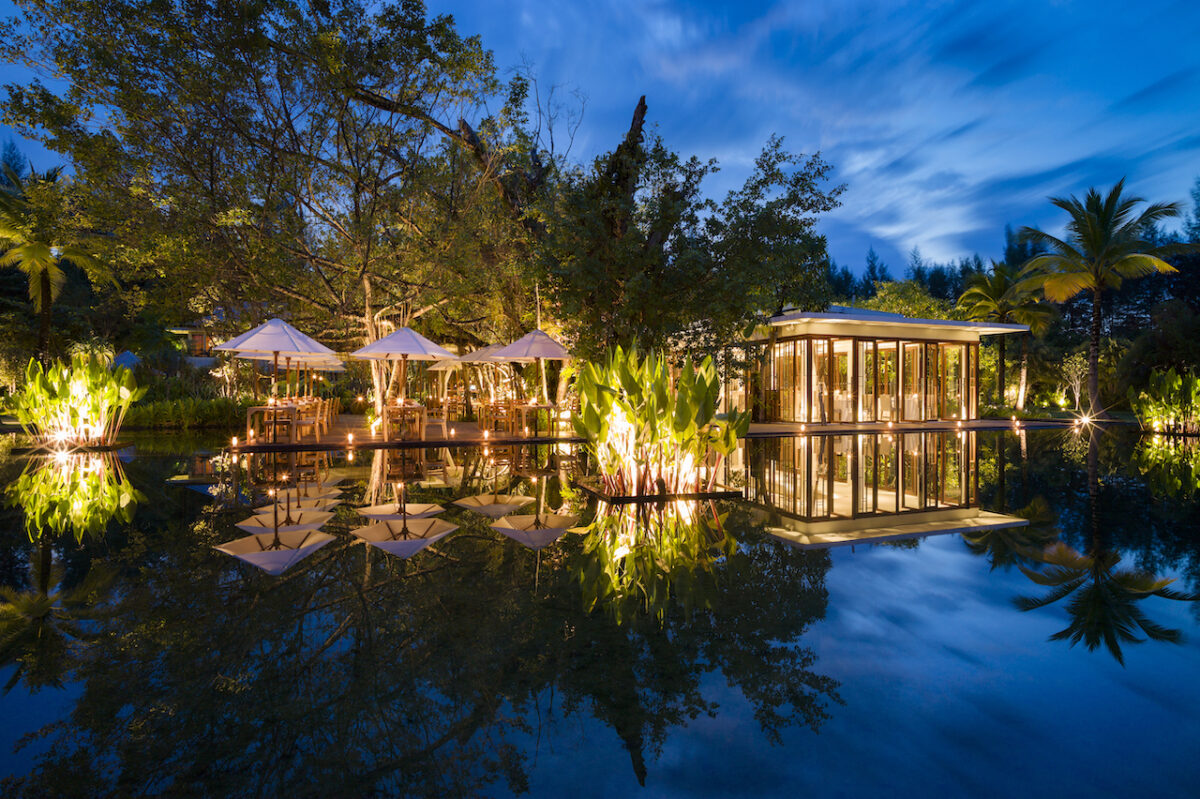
[946,120]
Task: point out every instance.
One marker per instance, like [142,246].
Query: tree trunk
[1000,381]
[44,321]
[1094,358]
[1021,387]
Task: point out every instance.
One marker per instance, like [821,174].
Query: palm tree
[1104,246]
[1007,295]
[33,214]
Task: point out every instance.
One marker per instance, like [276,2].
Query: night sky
[946,120]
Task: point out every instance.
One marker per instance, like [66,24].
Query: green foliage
[78,493]
[644,561]
[650,433]
[634,252]
[1170,403]
[1171,465]
[83,402]
[187,413]
[1106,244]
[910,299]
[1172,340]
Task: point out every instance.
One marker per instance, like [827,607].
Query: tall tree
[41,228]
[308,157]
[633,251]
[1103,248]
[1005,295]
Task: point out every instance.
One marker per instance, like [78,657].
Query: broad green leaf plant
[81,403]
[651,433]
[1170,403]
[654,436]
[77,492]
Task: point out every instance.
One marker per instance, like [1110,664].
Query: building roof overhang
[840,320]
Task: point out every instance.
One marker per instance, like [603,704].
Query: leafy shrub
[82,402]
[1170,403]
[187,413]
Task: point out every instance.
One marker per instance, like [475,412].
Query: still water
[989,614]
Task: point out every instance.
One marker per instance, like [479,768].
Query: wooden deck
[468,433]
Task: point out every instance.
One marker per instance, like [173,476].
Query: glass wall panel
[973,382]
[888,466]
[820,410]
[954,361]
[785,380]
[889,382]
[843,400]
[865,381]
[800,396]
[913,377]
[821,485]
[843,492]
[912,473]
[933,381]
[864,479]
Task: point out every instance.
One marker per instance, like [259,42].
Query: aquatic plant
[650,433]
[1169,404]
[81,403]
[73,492]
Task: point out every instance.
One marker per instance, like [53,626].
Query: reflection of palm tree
[1103,607]
[38,626]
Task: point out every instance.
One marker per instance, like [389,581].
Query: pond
[983,614]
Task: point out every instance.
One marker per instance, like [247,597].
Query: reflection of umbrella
[293,506]
[392,510]
[534,346]
[274,552]
[303,493]
[405,343]
[494,505]
[404,539]
[534,532]
[304,520]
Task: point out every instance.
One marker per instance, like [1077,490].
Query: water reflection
[73,492]
[1103,602]
[1170,464]
[470,667]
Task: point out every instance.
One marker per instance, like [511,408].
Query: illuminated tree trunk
[1023,385]
[44,318]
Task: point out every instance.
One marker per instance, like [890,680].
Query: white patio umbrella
[534,346]
[403,344]
[274,338]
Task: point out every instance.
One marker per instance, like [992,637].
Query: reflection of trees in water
[369,674]
[43,626]
[1103,601]
[1013,546]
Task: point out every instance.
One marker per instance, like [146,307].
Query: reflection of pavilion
[824,490]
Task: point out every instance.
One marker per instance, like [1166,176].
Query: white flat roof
[840,314]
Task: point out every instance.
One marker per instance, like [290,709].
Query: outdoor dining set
[299,415]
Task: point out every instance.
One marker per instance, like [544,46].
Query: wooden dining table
[270,414]
[400,413]
[524,409]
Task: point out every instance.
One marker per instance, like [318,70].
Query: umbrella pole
[274,395]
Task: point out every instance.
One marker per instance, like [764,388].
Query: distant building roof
[838,319]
